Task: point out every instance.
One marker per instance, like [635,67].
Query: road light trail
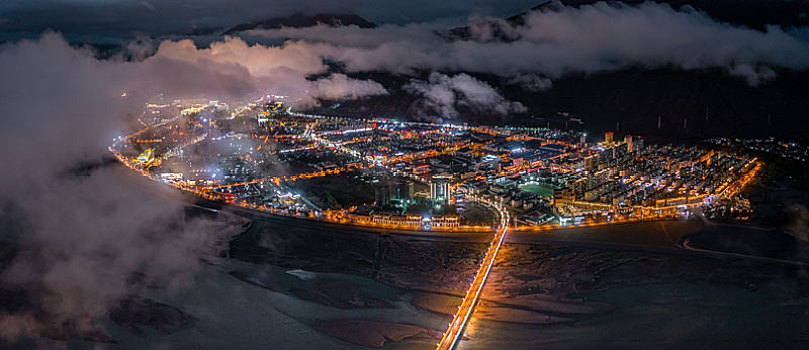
[456,328]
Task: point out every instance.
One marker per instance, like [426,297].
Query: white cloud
[591,38]
[84,240]
[442,94]
[87,240]
[531,82]
[338,86]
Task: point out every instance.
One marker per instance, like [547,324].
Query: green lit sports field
[537,189]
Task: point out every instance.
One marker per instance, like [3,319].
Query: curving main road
[456,328]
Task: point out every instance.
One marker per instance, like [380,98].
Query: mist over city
[569,174]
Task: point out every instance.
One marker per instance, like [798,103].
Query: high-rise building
[563,196]
[628,142]
[400,190]
[608,136]
[439,187]
[591,162]
[620,151]
[382,195]
[606,155]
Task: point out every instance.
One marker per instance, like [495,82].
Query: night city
[260,174]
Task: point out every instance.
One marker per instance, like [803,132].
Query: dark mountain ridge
[300,20]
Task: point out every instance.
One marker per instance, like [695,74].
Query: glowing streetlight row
[467,307]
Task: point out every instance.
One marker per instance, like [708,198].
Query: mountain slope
[300,20]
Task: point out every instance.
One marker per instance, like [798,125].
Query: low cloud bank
[567,40]
[442,93]
[86,234]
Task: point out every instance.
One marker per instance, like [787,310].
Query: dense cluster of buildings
[787,149]
[416,175]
